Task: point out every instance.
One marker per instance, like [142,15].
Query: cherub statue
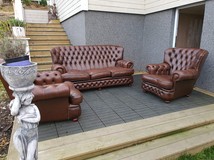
[26,137]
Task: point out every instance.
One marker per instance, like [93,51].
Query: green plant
[12,47]
[16,22]
[26,2]
[6,26]
[43,2]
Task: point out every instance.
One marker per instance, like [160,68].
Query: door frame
[175,31]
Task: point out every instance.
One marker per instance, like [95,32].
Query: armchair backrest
[86,57]
[185,58]
[48,77]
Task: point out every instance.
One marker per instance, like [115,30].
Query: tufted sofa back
[185,58]
[48,77]
[86,57]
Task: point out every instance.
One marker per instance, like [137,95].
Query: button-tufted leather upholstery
[176,76]
[55,99]
[87,64]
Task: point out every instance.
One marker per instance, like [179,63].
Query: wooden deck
[119,105]
[148,131]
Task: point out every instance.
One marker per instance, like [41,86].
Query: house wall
[108,28]
[75,29]
[66,9]
[206,79]
[157,36]
[122,6]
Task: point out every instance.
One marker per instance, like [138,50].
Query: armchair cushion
[163,81]
[50,91]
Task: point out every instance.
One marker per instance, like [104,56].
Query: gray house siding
[157,36]
[118,29]
[206,79]
[75,29]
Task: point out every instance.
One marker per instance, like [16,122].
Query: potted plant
[17,70]
[17,25]
[13,51]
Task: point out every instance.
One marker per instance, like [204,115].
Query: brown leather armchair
[55,99]
[176,76]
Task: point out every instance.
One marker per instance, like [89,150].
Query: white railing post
[18,10]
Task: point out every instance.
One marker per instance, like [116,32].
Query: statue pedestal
[25,137]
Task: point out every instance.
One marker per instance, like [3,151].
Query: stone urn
[19,76]
[20,80]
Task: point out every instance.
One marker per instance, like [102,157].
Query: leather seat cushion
[160,81]
[75,75]
[120,71]
[98,73]
[45,92]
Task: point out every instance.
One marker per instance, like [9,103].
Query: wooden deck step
[40,53]
[36,29]
[36,43]
[42,48]
[41,58]
[170,147]
[42,25]
[101,141]
[52,33]
[53,38]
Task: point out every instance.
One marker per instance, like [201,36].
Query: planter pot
[18,31]
[19,61]
[19,76]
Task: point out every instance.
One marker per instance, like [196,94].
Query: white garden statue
[26,137]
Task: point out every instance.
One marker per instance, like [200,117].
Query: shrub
[43,2]
[26,2]
[12,47]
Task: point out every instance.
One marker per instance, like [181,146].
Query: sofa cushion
[50,91]
[120,71]
[75,75]
[164,81]
[98,73]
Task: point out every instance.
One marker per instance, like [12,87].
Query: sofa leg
[99,89]
[187,95]
[75,119]
[167,101]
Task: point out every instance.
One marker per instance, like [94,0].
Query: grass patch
[206,154]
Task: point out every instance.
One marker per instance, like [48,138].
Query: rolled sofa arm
[124,63]
[159,69]
[75,95]
[184,75]
[57,67]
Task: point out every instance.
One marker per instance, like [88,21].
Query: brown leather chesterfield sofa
[94,66]
[176,76]
[55,99]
